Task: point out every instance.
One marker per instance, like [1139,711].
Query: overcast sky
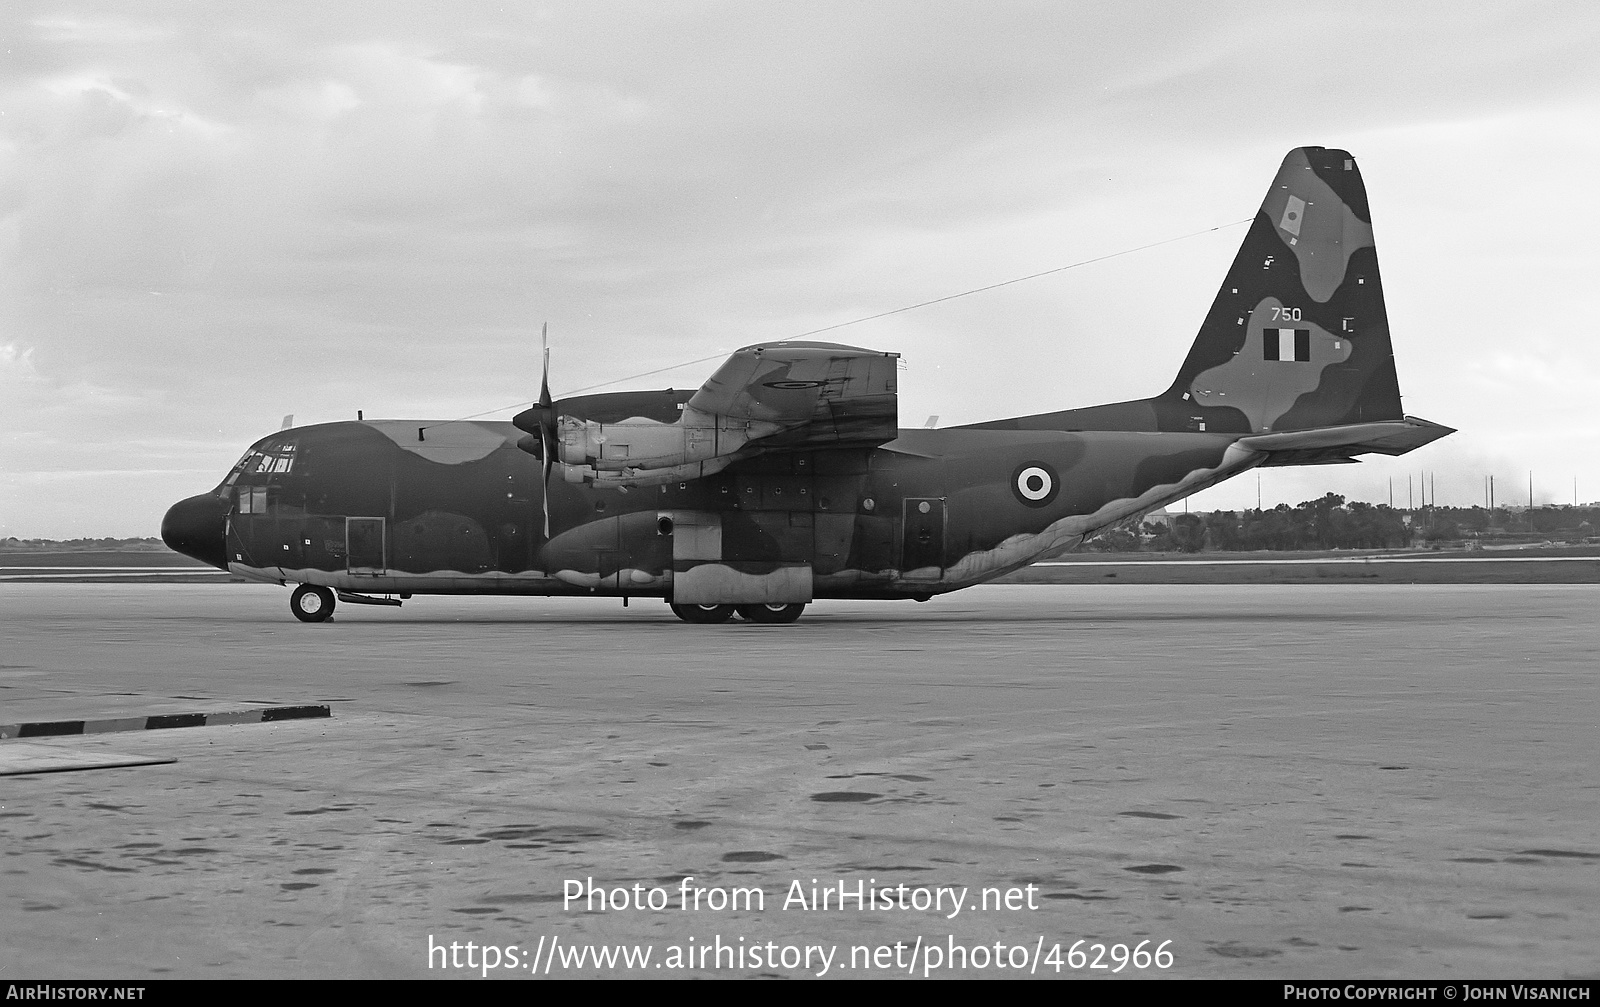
[216,213]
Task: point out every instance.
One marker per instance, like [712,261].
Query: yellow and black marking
[160,722]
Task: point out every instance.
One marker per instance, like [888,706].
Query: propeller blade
[544,383]
[546,496]
[546,423]
[539,421]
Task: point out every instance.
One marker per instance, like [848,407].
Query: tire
[770,613]
[311,604]
[703,614]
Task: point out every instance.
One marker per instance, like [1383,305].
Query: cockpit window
[252,501]
[246,464]
[271,458]
[276,459]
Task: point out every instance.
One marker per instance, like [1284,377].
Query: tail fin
[1298,336]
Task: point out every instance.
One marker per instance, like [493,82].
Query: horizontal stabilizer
[1342,443]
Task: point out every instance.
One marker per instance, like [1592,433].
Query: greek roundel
[1035,484]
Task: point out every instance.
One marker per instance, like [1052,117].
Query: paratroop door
[923,545]
[364,544]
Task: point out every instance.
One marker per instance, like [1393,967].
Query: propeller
[547,424]
[540,420]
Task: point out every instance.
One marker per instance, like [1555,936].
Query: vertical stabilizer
[1298,336]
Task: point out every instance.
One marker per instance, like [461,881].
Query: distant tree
[1118,539]
[1442,530]
[1188,533]
[1224,531]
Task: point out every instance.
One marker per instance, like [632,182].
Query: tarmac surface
[1306,781]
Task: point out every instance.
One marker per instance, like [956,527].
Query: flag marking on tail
[1286,344]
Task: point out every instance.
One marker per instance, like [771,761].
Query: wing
[813,393]
[768,397]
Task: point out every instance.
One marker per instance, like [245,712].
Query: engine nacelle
[639,443]
[626,479]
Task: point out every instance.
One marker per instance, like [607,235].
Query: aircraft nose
[197,527]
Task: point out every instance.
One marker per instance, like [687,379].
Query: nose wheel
[310,603]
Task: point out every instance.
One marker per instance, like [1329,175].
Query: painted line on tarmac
[21,758]
[158,722]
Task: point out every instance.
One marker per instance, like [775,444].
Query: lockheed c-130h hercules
[784,478]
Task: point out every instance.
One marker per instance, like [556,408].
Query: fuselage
[414,507]
[784,478]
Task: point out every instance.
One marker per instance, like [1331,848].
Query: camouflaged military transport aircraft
[784,477]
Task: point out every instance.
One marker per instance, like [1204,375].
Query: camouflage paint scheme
[1292,365]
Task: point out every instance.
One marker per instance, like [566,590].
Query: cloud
[218,216]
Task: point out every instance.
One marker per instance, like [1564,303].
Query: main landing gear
[310,603]
[708,614]
[770,613]
[703,614]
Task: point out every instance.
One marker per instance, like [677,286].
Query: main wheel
[703,614]
[770,613]
[310,603]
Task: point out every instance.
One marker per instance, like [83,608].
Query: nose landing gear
[310,603]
